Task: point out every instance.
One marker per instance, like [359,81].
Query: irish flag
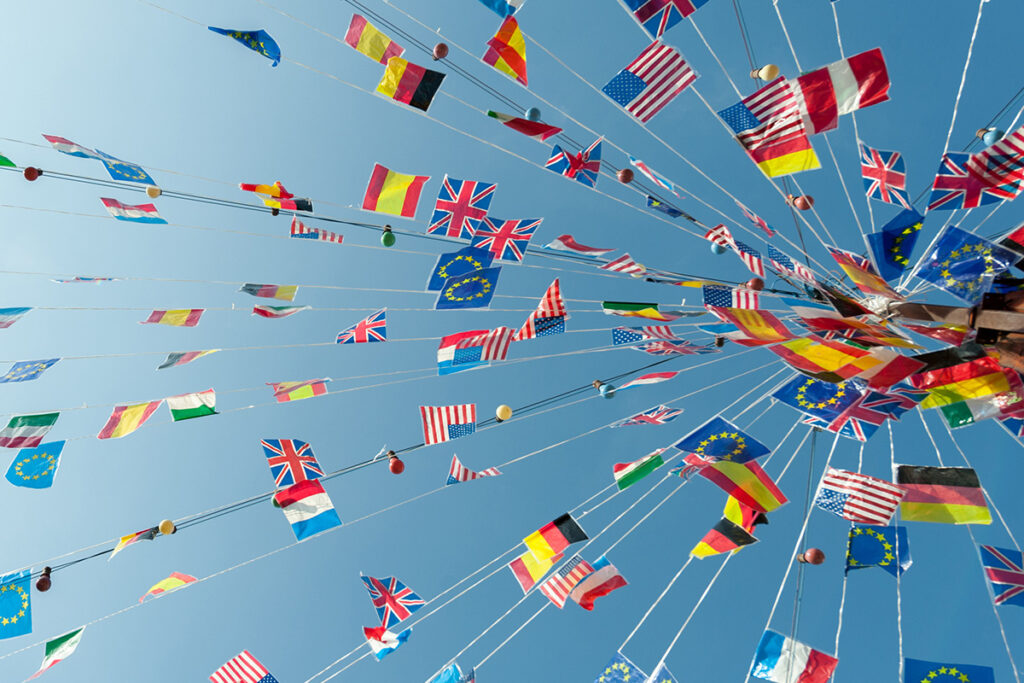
[58,649]
[628,473]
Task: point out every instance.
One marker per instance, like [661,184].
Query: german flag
[554,537]
[410,83]
[746,482]
[946,495]
[723,537]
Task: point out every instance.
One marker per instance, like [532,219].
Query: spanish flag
[755,324]
[947,495]
[126,419]
[506,51]
[173,582]
[394,193]
[410,83]
[746,482]
[863,274]
[554,537]
[368,39]
[182,317]
[829,360]
[974,379]
[528,570]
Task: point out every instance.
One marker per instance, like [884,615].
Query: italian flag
[58,649]
[187,406]
[628,473]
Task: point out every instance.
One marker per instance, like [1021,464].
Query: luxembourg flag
[783,660]
[141,213]
[307,508]
[383,642]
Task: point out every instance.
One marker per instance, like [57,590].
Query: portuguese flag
[628,473]
[947,495]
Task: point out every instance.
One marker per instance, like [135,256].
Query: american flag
[751,258]
[291,461]
[624,264]
[372,329]
[658,415]
[956,188]
[858,497]
[507,240]
[667,348]
[459,473]
[769,116]
[558,586]
[785,264]
[300,231]
[1002,162]
[243,668]
[393,600]
[1005,571]
[461,205]
[656,178]
[632,335]
[584,166]
[720,235]
[757,220]
[658,16]
[441,423]
[549,317]
[727,297]
[492,345]
[885,175]
[650,81]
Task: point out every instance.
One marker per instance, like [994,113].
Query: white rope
[785,31]
[654,604]
[963,76]
[899,568]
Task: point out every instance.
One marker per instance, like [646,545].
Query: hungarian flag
[628,473]
[59,649]
[27,431]
[947,495]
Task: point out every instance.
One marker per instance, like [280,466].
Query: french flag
[783,660]
[307,508]
[841,88]
[140,213]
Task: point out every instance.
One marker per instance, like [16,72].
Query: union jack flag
[896,400]
[885,175]
[461,205]
[757,220]
[584,167]
[458,472]
[750,257]
[785,264]
[393,600]
[1005,572]
[657,415]
[291,461]
[507,240]
[658,16]
[857,421]
[956,188]
[371,329]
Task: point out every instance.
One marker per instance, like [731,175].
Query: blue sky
[201,114]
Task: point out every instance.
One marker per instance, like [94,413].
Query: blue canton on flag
[650,81]
[15,604]
[456,431]
[506,240]
[125,170]
[461,205]
[957,188]
[35,468]
[658,16]
[885,176]
[739,118]
[26,370]
[624,335]
[545,327]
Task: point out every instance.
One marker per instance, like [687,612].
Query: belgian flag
[947,495]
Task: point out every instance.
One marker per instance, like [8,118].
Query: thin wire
[654,604]
[899,569]
[785,31]
[963,76]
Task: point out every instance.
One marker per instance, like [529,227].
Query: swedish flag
[885,547]
[15,604]
[35,468]
[472,290]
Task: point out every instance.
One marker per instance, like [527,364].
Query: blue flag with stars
[35,468]
[15,604]
[959,263]
[893,244]
[472,290]
[26,370]
[720,439]
[458,263]
[667,209]
[124,170]
[621,670]
[885,547]
[257,41]
[921,670]
[819,399]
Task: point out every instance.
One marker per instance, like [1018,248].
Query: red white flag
[841,88]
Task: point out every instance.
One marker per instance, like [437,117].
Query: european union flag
[258,41]
[453,674]
[125,170]
[667,209]
[620,670]
[472,290]
[458,263]
[817,398]
[960,262]
[35,468]
[893,244]
[15,604]
[720,439]
[25,370]
[885,547]
[920,670]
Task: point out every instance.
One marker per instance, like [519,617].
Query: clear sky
[201,114]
